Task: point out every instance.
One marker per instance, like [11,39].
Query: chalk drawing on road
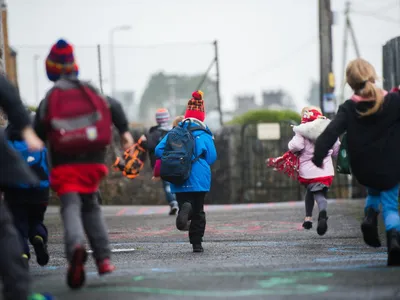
[351,253]
[259,283]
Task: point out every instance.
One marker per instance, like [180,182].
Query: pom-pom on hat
[61,61]
[195,107]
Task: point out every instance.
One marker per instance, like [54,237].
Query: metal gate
[391,63]
[262,184]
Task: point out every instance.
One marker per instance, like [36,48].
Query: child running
[371,119]
[189,150]
[27,203]
[316,180]
[76,122]
[155,135]
[14,270]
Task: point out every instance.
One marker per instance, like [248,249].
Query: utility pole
[327,80]
[221,121]
[100,69]
[348,27]
[2,39]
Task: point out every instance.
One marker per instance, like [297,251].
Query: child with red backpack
[186,153]
[76,121]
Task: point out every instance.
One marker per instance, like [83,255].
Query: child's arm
[160,147]
[296,144]
[211,151]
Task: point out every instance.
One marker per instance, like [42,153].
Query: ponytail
[370,91]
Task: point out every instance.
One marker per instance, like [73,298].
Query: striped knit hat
[195,107]
[61,61]
[162,116]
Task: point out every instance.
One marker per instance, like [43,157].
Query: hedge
[265,115]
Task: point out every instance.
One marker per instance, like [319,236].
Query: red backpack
[78,118]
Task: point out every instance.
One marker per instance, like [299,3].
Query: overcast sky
[264,44]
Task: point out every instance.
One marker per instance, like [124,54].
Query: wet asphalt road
[251,252]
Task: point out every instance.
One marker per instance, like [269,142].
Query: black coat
[13,169]
[373,141]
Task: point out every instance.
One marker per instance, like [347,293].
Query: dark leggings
[319,197]
[198,216]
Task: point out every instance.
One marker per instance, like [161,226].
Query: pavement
[252,251]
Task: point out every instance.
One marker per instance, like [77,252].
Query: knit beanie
[195,107]
[310,115]
[61,61]
[162,116]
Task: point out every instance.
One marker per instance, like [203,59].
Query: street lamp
[36,77]
[112,59]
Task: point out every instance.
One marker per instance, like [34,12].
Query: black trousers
[198,216]
[27,207]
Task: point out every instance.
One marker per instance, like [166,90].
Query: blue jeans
[168,195]
[390,205]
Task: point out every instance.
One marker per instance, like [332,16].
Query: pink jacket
[303,142]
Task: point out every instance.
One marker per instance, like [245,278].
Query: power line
[122,46]
[376,16]
[284,59]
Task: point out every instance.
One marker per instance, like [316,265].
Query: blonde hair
[361,77]
[177,120]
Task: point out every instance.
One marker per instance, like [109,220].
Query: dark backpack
[79,118]
[177,158]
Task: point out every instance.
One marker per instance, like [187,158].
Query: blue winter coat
[200,177]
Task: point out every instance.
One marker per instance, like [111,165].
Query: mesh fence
[172,69]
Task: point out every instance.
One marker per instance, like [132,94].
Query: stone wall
[238,176]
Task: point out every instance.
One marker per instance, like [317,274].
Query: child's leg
[185,211]
[390,208]
[198,224]
[319,197]
[96,231]
[170,198]
[309,203]
[373,200]
[19,213]
[13,267]
[369,226]
[38,232]
[74,238]
[321,200]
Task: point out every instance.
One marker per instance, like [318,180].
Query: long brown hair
[361,77]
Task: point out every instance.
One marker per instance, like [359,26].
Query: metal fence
[241,175]
[391,63]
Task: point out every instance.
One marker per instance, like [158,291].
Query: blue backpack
[37,161]
[177,158]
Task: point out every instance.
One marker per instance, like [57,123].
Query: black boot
[369,228]
[322,222]
[183,217]
[198,248]
[393,246]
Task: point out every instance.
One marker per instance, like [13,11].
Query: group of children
[371,119]
[75,121]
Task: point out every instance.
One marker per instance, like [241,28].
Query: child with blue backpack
[186,154]
[28,203]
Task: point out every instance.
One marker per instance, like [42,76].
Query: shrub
[265,115]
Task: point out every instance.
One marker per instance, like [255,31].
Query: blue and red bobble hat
[61,61]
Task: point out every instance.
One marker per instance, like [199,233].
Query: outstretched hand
[32,140]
